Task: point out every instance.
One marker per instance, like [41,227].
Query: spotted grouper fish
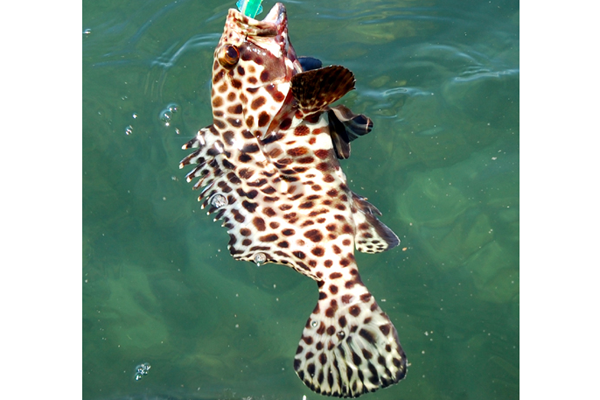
[268,168]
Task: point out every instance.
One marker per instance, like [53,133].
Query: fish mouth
[275,23]
[276,15]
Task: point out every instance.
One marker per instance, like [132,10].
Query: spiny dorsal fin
[344,127]
[314,90]
[372,236]
[226,189]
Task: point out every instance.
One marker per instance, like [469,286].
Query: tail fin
[349,346]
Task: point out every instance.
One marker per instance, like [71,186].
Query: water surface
[440,81]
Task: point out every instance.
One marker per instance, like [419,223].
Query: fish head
[254,63]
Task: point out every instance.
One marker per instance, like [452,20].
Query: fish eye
[229,56]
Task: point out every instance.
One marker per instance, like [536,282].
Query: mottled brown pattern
[268,168]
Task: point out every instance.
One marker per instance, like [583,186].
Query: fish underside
[268,168]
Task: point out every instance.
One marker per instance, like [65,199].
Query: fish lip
[276,15]
[274,23]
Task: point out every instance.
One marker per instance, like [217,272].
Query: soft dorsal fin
[310,63]
[372,236]
[344,127]
[314,90]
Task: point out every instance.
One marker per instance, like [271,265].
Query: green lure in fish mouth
[250,8]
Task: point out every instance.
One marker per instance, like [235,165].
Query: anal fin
[372,236]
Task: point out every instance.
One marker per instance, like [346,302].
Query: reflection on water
[440,81]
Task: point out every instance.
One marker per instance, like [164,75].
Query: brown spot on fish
[322,356]
[306,204]
[237,216]
[318,251]
[366,297]
[217,101]
[385,329]
[235,122]
[333,306]
[263,119]
[314,235]
[244,158]
[258,103]
[259,223]
[285,124]
[268,238]
[306,160]
[278,96]
[354,310]
[250,206]
[251,148]
[322,154]
[301,130]
[236,83]
[268,189]
[297,151]
[328,178]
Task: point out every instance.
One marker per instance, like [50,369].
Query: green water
[440,81]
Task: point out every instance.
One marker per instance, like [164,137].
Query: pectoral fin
[316,89]
[344,127]
[310,63]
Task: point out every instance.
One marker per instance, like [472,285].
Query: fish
[269,169]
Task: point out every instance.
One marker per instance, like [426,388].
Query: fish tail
[349,346]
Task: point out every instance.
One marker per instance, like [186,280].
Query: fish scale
[268,168]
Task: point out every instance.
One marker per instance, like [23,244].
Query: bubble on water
[173,107]
[129,130]
[314,323]
[218,200]
[165,117]
[259,259]
[141,370]
[87,31]
[134,115]
[341,335]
